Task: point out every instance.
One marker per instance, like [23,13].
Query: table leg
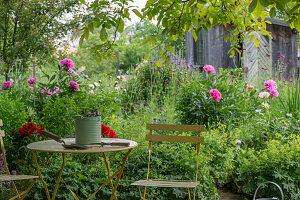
[108,171]
[40,175]
[120,174]
[59,175]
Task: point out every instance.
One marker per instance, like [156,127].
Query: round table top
[55,147]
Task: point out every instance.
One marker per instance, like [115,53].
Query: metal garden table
[52,146]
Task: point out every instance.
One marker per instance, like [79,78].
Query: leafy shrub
[278,162]
[195,106]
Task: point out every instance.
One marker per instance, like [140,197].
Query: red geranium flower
[29,129]
[107,132]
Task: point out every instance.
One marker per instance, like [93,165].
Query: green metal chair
[168,138]
[12,178]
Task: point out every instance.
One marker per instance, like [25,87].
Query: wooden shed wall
[284,42]
[213,51]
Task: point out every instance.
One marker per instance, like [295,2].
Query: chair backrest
[174,138]
[2,134]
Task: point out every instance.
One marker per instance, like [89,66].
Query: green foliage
[13,113]
[195,105]
[278,162]
[29,28]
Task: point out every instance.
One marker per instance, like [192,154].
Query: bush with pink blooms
[215,97]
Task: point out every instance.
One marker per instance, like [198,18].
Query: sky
[139,5]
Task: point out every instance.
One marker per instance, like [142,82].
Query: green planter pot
[87,129]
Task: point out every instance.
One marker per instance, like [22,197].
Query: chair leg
[141,195]
[188,189]
[22,195]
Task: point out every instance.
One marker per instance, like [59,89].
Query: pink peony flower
[250,87]
[31,88]
[67,64]
[209,68]
[31,81]
[74,85]
[215,94]
[92,92]
[6,84]
[272,88]
[270,84]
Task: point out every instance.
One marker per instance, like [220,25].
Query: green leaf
[120,26]
[153,41]
[273,12]
[103,34]
[82,1]
[145,41]
[257,10]
[86,33]
[174,37]
[252,6]
[159,63]
[115,58]
[195,36]
[170,48]
[137,13]
[297,23]
[81,40]
[256,43]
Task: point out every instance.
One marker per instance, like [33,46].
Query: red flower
[107,132]
[29,128]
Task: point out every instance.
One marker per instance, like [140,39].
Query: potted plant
[88,127]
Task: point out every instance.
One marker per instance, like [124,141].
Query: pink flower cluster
[74,85]
[31,81]
[67,64]
[272,88]
[215,94]
[49,92]
[6,84]
[209,68]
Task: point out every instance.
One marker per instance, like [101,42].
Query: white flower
[258,110]
[91,86]
[116,82]
[11,80]
[100,81]
[124,90]
[96,84]
[264,95]
[117,88]
[118,77]
[289,115]
[265,105]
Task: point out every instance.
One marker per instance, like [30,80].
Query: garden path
[227,195]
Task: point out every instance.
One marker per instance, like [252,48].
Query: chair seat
[167,183]
[16,177]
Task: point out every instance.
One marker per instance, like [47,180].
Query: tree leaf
[103,34]
[153,41]
[81,40]
[159,63]
[195,36]
[170,48]
[252,5]
[145,41]
[137,13]
[256,43]
[297,23]
[120,26]
[257,10]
